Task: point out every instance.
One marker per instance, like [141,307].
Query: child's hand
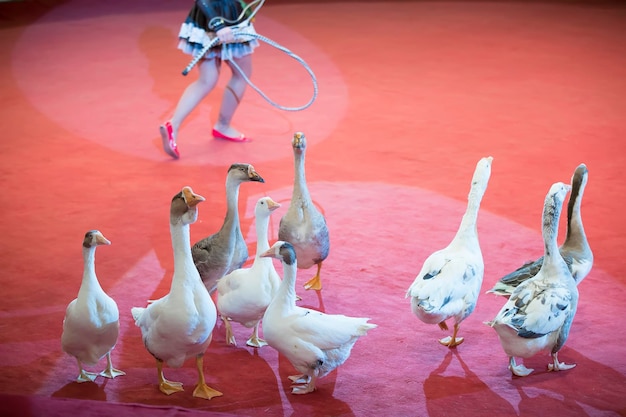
[225,35]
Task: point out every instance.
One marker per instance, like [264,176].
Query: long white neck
[90,281]
[184,268]
[285,298]
[468,227]
[262,238]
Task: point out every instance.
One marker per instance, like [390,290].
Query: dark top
[204,10]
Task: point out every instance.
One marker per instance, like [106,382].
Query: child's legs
[209,71]
[233,93]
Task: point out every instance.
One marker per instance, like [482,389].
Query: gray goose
[223,252]
[539,313]
[304,226]
[575,249]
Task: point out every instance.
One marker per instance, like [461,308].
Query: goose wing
[536,309]
[327,331]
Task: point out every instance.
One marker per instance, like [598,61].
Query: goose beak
[272,205]
[268,253]
[253,175]
[299,141]
[101,240]
[192,199]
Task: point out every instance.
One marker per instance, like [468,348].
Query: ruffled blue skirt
[193,39]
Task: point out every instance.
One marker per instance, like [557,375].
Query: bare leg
[233,95]
[209,71]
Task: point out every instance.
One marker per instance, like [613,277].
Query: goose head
[298,143]
[554,200]
[281,250]
[242,173]
[482,171]
[94,238]
[579,180]
[183,208]
[265,205]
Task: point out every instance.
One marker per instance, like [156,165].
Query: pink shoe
[218,135]
[167,138]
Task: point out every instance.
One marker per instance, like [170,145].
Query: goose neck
[262,239]
[300,175]
[232,197]
[287,289]
[575,229]
[183,260]
[470,217]
[551,216]
[89,269]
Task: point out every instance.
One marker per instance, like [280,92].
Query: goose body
[575,249]
[449,282]
[314,342]
[91,324]
[179,325]
[539,313]
[304,226]
[223,252]
[245,293]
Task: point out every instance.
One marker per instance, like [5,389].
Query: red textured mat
[411,95]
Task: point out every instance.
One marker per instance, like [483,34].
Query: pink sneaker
[219,135]
[167,138]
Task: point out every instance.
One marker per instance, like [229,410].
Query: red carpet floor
[411,95]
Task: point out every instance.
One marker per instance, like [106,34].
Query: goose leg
[83,375]
[300,379]
[255,340]
[110,371]
[452,341]
[559,366]
[165,386]
[230,337]
[315,283]
[308,385]
[202,390]
[519,370]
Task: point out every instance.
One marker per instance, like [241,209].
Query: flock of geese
[542,295]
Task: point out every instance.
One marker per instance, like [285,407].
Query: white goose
[314,342]
[448,285]
[91,324]
[540,311]
[179,325]
[303,225]
[226,250]
[575,249]
[245,293]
